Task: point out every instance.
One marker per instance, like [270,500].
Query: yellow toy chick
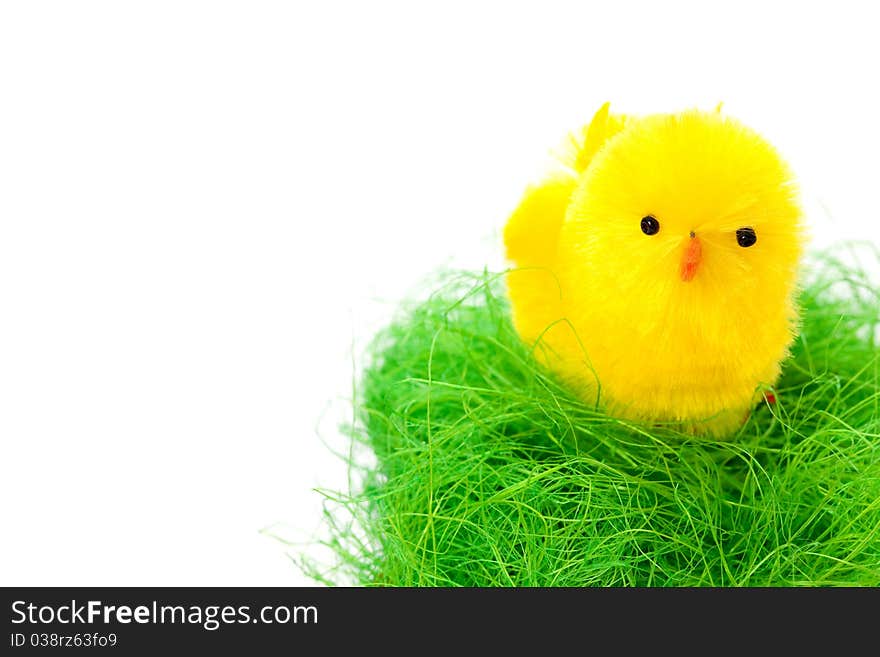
[655,269]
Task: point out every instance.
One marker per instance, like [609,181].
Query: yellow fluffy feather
[655,268]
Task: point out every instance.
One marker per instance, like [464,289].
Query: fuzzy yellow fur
[606,305]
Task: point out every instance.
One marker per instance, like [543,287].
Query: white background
[207,207]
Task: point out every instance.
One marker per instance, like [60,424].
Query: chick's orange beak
[691,258]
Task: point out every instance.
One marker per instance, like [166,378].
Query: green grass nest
[473,467]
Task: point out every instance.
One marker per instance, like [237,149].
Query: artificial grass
[476,468]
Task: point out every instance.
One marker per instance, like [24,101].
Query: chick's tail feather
[582,146]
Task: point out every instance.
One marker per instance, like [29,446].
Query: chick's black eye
[746,237]
[650,225]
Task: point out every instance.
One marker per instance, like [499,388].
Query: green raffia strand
[486,472]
